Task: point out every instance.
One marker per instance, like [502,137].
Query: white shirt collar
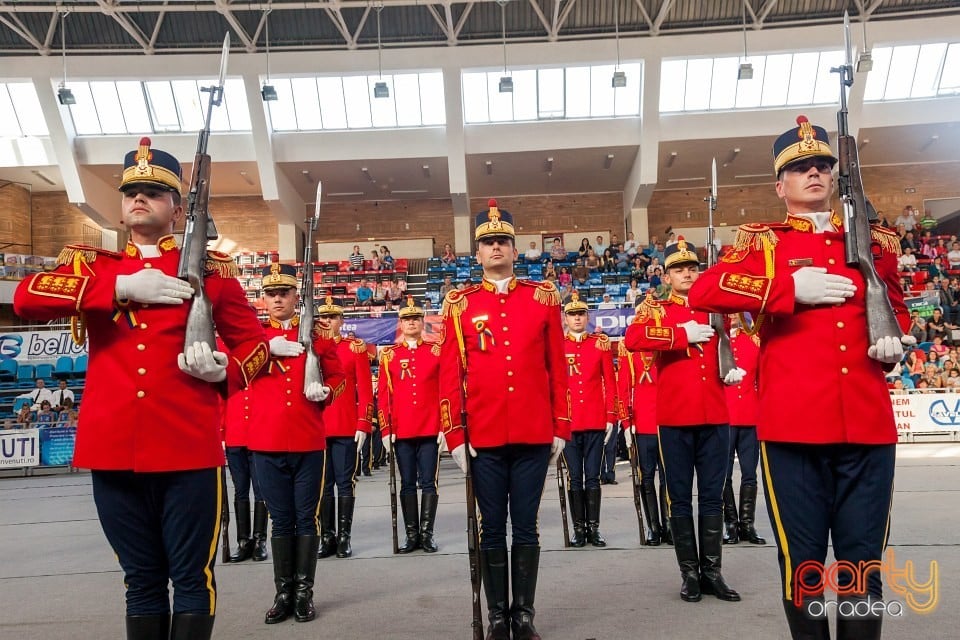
[502,284]
[148,250]
[819,219]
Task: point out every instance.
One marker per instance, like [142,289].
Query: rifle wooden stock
[563,499]
[393,498]
[224,518]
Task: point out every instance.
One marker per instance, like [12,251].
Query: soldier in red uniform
[347,421]
[288,441]
[826,428]
[408,395]
[637,384]
[592,386]
[502,351]
[150,429]
[742,405]
[694,433]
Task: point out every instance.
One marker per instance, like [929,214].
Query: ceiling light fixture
[929,142]
[365,171]
[489,165]
[619,79]
[865,59]
[426,171]
[306,175]
[268,92]
[608,161]
[64,95]
[745,72]
[506,82]
[671,159]
[44,177]
[380,89]
[246,178]
[548,165]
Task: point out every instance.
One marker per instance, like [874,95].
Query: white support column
[457,160]
[290,242]
[643,176]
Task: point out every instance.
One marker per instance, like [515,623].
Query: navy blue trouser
[648,458]
[240,463]
[607,469]
[584,453]
[342,460]
[819,492]
[164,527]
[290,483]
[510,476]
[704,449]
[743,443]
[417,460]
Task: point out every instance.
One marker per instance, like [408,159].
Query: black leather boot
[802,626]
[864,626]
[148,627]
[283,559]
[731,531]
[665,530]
[328,528]
[493,575]
[305,569]
[259,531]
[579,516]
[428,515]
[593,517]
[191,626]
[408,505]
[241,514]
[711,545]
[685,545]
[748,509]
[345,521]
[524,566]
[651,513]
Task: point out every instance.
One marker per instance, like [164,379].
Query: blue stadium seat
[18,404]
[8,370]
[80,366]
[25,375]
[64,368]
[44,371]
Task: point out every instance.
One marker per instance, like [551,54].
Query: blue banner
[56,445]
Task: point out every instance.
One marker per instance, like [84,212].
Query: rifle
[858,213]
[473,531]
[198,225]
[224,517]
[633,456]
[563,499]
[311,372]
[724,351]
[393,497]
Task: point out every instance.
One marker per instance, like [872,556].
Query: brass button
[506,343]
[503,315]
[414,402]
[289,391]
[704,379]
[141,347]
[829,242]
[509,388]
[506,328]
[509,373]
[143,325]
[141,371]
[140,394]
[289,404]
[509,357]
[843,347]
[145,305]
[844,370]
[289,380]
[147,265]
[502,301]
[246,408]
[840,325]
[831,261]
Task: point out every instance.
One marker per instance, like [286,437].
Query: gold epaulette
[84,253]
[319,331]
[755,236]
[386,354]
[622,349]
[358,346]
[435,349]
[224,265]
[544,292]
[603,342]
[649,308]
[456,300]
[886,238]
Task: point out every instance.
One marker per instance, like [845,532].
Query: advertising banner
[19,448]
[926,412]
[56,445]
[26,346]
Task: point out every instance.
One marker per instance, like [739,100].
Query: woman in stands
[608,261]
[549,270]
[585,248]
[564,277]
[25,417]
[448,257]
[46,414]
[68,415]
[592,262]
[374,260]
[386,260]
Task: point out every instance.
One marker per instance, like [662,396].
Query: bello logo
[921,597]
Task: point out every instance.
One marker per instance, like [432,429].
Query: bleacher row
[17,378]
[917,280]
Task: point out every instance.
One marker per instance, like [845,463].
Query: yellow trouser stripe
[663,464]
[778,524]
[214,539]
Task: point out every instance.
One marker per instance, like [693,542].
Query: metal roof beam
[51,31]
[765,11]
[563,18]
[446,24]
[551,32]
[223,8]
[643,12]
[873,7]
[751,13]
[661,16]
[109,9]
[463,19]
[337,18]
[452,30]
[156,29]
[13,22]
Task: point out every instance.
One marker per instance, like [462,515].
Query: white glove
[908,341]
[734,376]
[316,392]
[460,457]
[628,436]
[388,442]
[360,437]
[203,363]
[441,441]
[813,285]
[888,350]
[606,436]
[280,346]
[697,332]
[556,448]
[152,286]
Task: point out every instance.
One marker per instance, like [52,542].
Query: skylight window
[914,71]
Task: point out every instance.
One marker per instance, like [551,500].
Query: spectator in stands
[584,248]
[564,277]
[532,254]
[364,293]
[938,348]
[941,248]
[908,261]
[389,294]
[448,257]
[566,294]
[427,305]
[908,218]
[607,302]
[581,284]
[557,250]
[918,326]
[549,270]
[61,395]
[386,260]
[953,256]
[927,222]
[931,377]
[599,247]
[638,269]
[374,260]
[953,379]
[592,261]
[634,295]
[655,251]
[656,281]
[952,293]
[936,269]
[630,246]
[46,414]
[580,272]
[25,417]
[608,262]
[38,395]
[67,416]
[654,265]
[884,220]
[447,286]
[908,240]
[615,243]
[937,325]
[379,295]
[898,387]
[400,287]
[356,259]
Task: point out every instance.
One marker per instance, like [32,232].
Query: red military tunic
[742,399]
[507,350]
[283,419]
[140,412]
[237,411]
[817,384]
[590,378]
[409,390]
[688,376]
[352,411]
[638,375]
